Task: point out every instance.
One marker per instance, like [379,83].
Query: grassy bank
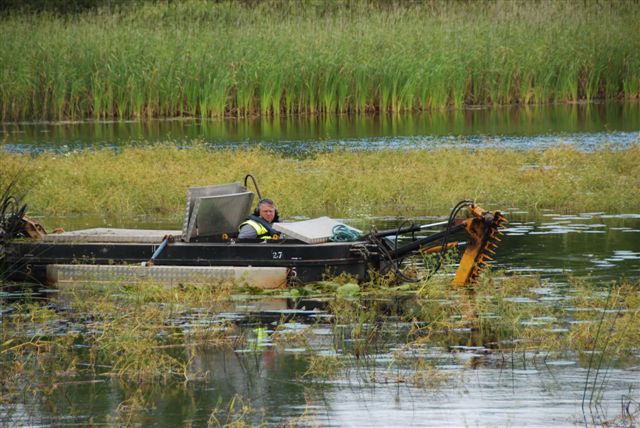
[153,180]
[205,59]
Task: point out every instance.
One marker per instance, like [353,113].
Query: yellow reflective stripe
[260,229]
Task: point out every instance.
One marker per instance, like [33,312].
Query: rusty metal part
[438,248]
[483,228]
[33,229]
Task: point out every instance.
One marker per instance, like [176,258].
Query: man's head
[267,210]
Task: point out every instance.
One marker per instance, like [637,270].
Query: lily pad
[349,289]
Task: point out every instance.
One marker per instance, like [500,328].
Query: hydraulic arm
[483,235]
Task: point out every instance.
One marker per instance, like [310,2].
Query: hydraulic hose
[445,238]
[255,184]
[396,255]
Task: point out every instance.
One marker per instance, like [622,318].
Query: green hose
[343,233]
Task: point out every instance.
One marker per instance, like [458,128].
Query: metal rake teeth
[484,231]
[489,247]
[490,244]
[500,221]
[475,274]
[484,257]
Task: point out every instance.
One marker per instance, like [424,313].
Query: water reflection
[265,384]
[597,245]
[586,126]
[537,397]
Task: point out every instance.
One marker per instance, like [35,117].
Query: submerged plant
[324,367]
[142,343]
[236,413]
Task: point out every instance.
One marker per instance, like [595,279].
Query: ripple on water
[534,270]
[622,216]
[520,300]
[560,363]
[626,255]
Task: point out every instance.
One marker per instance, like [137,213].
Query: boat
[207,248]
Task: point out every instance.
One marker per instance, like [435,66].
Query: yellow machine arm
[483,228]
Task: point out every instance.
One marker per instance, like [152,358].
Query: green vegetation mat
[154,180]
[212,59]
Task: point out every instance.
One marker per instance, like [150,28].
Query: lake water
[265,381]
[586,126]
[468,381]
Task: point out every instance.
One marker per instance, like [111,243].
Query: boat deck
[108,234]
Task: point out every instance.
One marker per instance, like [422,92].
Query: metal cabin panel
[202,218]
[214,215]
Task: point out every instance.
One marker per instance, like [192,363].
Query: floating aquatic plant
[341,184]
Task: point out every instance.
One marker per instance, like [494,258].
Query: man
[258,225]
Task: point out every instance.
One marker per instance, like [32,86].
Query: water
[459,379]
[268,385]
[585,126]
[471,382]
[600,246]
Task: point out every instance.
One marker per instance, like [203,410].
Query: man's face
[267,212]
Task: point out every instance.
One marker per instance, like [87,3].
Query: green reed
[205,59]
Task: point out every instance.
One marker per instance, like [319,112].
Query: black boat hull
[27,260]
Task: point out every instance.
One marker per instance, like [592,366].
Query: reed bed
[136,181]
[213,59]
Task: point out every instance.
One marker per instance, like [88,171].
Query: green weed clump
[147,340]
[154,180]
[134,337]
[594,324]
[210,59]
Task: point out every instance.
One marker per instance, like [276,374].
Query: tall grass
[204,59]
[153,180]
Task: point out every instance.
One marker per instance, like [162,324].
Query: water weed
[509,316]
[149,346]
[212,59]
[344,184]
[236,413]
[324,367]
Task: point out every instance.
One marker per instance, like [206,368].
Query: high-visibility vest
[261,231]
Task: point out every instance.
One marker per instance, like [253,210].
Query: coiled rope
[343,233]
